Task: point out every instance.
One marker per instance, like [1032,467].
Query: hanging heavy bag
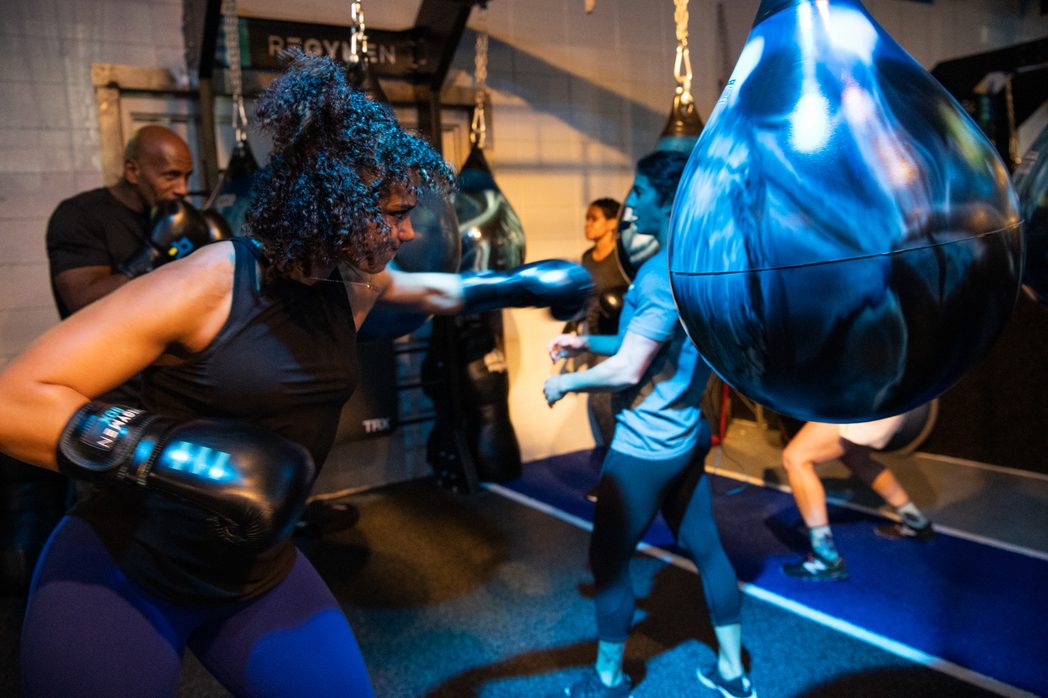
[484,382]
[232,198]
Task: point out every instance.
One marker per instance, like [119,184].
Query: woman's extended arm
[561,286]
[435,293]
[181,305]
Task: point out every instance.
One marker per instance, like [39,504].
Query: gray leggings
[631,491]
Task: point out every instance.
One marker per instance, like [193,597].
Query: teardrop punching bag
[1031,185]
[845,243]
[231,198]
[492,239]
[436,247]
[492,236]
[683,128]
[681,132]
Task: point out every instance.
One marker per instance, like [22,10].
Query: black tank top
[286,360]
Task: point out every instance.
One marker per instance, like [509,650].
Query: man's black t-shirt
[92,229]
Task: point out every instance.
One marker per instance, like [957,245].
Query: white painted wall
[577,99]
[49,132]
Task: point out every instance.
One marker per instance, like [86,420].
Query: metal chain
[231,27]
[478,132]
[358,40]
[682,62]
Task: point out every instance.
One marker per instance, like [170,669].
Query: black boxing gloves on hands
[562,286]
[177,230]
[251,480]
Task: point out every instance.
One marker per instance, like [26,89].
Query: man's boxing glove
[562,286]
[177,230]
[253,482]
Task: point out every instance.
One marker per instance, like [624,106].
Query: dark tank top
[286,360]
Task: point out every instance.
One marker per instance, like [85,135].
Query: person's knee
[794,460]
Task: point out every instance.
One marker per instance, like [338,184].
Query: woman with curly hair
[247,347]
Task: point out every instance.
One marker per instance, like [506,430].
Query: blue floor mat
[974,605]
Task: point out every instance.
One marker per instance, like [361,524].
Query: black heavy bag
[680,134]
[492,240]
[484,381]
[232,198]
[492,235]
[436,248]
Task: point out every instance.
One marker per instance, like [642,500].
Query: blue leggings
[90,632]
[631,492]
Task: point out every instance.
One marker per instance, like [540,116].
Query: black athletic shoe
[590,686]
[739,687]
[816,568]
[902,530]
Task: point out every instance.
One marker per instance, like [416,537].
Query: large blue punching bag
[845,242]
[1031,185]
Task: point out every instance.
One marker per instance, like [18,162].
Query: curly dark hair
[336,155]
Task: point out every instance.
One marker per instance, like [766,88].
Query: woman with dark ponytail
[248,351]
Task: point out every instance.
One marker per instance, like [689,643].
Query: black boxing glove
[611,300]
[177,230]
[562,286]
[217,225]
[253,482]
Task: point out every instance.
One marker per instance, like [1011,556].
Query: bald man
[90,235]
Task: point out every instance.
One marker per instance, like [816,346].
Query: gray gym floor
[460,596]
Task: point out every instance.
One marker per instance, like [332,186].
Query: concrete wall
[577,99]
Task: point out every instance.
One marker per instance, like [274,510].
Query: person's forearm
[81,287]
[33,440]
[606,377]
[603,344]
[433,293]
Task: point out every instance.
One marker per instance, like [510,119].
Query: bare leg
[609,661]
[884,483]
[729,650]
[814,443]
[888,487]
